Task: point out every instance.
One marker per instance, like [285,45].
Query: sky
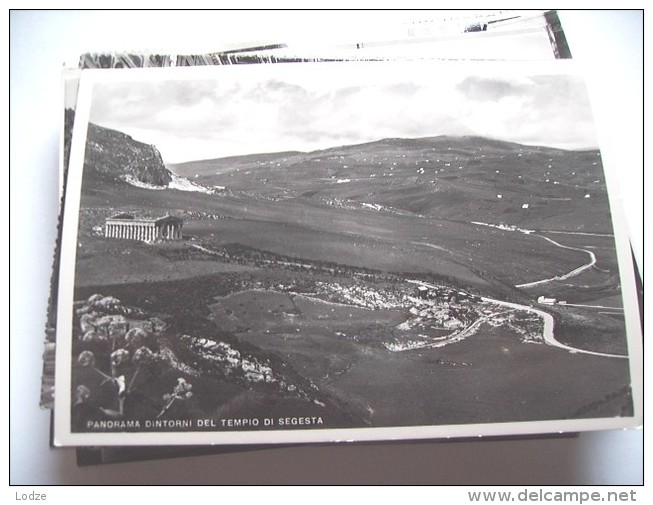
[191,114]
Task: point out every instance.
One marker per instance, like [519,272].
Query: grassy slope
[279,203]
[453,178]
[301,227]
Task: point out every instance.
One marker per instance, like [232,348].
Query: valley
[383,284]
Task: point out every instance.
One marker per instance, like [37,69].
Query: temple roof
[129,218]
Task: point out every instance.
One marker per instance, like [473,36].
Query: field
[389,284]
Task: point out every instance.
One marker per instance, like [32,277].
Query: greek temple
[126,226]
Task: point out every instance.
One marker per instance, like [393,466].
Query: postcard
[371,250]
[465,34]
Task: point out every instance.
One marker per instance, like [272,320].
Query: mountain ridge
[461,141]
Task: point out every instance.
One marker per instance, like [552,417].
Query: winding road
[574,272]
[547,330]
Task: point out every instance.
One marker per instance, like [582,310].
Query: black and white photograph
[361,250]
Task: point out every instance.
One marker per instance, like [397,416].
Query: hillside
[461,178]
[361,285]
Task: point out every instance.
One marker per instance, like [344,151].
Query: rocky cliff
[114,155]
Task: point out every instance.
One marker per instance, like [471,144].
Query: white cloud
[266,108]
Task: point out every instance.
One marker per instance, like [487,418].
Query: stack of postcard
[346,247]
